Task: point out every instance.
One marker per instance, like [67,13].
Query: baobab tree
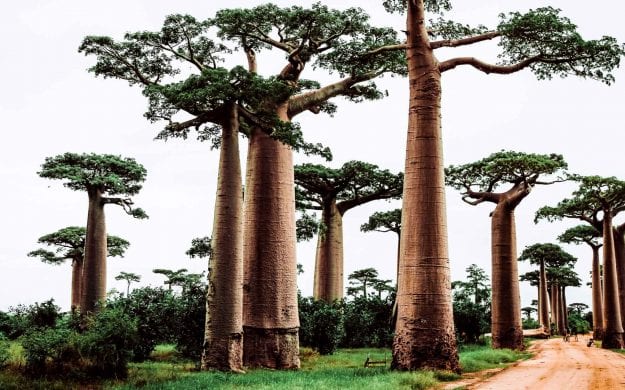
[550,258]
[541,41]
[103,177]
[384,221]
[341,42]
[172,278]
[596,201]
[528,310]
[334,192]
[590,236]
[478,181]
[69,244]
[129,277]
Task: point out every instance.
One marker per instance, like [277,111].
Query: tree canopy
[553,255]
[109,174]
[479,179]
[383,221]
[353,184]
[69,243]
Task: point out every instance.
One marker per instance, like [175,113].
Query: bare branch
[486,67]
[465,41]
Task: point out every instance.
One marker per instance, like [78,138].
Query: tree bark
[77,267]
[507,327]
[563,323]
[619,251]
[223,336]
[328,281]
[613,329]
[554,307]
[270,314]
[93,289]
[424,332]
[543,301]
[597,296]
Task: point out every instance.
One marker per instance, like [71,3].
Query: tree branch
[465,41]
[486,67]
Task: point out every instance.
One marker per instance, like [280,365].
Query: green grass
[342,370]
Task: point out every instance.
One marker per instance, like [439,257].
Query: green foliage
[553,255]
[22,318]
[556,46]
[321,324]
[69,244]
[386,221]
[190,318]
[471,305]
[154,310]
[581,233]
[353,184]
[111,174]
[578,324]
[368,322]
[504,167]
[109,342]
[44,346]
[530,323]
[200,247]
[477,358]
[306,226]
[5,353]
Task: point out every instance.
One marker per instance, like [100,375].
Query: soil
[556,365]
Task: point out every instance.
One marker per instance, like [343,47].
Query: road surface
[559,365]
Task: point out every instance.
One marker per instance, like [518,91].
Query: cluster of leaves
[353,323]
[471,305]
[19,319]
[101,348]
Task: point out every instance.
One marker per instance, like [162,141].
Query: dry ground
[557,365]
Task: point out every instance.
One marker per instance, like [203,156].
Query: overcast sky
[50,104]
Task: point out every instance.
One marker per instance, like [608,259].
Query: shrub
[368,323]
[5,353]
[109,342]
[48,350]
[190,317]
[321,325]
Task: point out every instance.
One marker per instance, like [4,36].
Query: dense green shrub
[190,317]
[5,354]
[154,310]
[321,325]
[530,323]
[22,318]
[109,342]
[368,322]
[578,324]
[48,350]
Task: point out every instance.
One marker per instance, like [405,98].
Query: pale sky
[51,105]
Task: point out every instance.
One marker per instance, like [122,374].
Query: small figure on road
[590,343]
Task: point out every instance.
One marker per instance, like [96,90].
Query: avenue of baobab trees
[423,263]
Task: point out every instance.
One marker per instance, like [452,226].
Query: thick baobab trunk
[223,335]
[424,331]
[613,329]
[93,289]
[270,316]
[619,252]
[543,300]
[597,298]
[328,282]
[77,266]
[507,327]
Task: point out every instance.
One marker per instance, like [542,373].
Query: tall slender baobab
[129,277]
[597,201]
[540,40]
[69,244]
[590,236]
[102,177]
[478,182]
[334,192]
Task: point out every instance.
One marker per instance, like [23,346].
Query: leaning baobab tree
[69,244]
[334,192]
[590,236]
[541,41]
[103,177]
[606,196]
[338,41]
[478,182]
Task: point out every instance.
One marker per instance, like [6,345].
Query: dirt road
[560,365]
